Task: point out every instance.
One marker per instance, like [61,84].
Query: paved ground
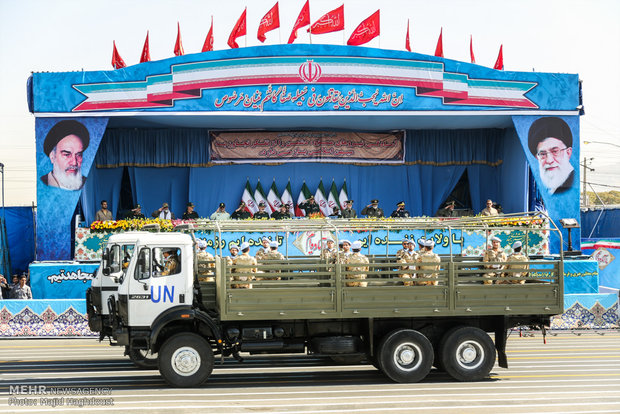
[570,374]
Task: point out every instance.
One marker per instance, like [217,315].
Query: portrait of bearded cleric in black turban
[64,145]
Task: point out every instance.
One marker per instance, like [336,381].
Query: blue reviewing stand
[585,306]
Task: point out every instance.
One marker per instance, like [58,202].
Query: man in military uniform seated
[447,210]
[427,260]
[261,214]
[282,213]
[516,256]
[335,213]
[263,251]
[372,210]
[205,263]
[189,213]
[171,262]
[240,213]
[348,211]
[244,274]
[136,213]
[494,254]
[310,206]
[356,258]
[400,211]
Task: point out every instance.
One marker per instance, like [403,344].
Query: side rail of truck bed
[312,289]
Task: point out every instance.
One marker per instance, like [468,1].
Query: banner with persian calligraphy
[307,146]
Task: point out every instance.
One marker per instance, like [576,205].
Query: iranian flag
[320,199]
[259,195]
[287,198]
[273,197]
[250,204]
[332,198]
[304,193]
[344,196]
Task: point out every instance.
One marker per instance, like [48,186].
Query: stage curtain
[174,147]
[102,184]
[440,147]
[153,186]
[483,184]
[423,188]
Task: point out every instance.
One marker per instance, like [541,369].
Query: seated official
[282,213]
[190,213]
[261,214]
[241,213]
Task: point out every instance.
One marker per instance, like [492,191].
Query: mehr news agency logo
[45,396]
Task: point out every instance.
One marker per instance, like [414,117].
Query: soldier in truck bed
[244,274]
[428,260]
[357,258]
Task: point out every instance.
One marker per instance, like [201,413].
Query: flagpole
[245,38]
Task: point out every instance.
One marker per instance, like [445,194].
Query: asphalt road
[569,374]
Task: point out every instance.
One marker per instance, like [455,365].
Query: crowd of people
[17,289]
[310,208]
[417,267]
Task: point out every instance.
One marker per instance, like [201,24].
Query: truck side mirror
[105,271]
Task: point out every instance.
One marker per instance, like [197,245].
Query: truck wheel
[185,360]
[405,356]
[142,358]
[467,354]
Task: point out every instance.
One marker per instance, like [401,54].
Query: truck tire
[405,355]
[185,360]
[467,354]
[142,358]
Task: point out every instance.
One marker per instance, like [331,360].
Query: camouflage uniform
[245,274]
[205,270]
[170,266]
[328,255]
[356,257]
[516,257]
[406,256]
[493,256]
[428,257]
[272,255]
[261,253]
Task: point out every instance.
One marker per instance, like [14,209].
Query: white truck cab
[114,264]
[159,277]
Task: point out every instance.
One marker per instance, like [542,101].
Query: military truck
[307,305]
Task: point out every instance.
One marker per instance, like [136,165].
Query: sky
[558,36]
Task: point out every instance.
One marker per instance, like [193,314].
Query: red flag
[208,45]
[332,21]
[117,60]
[439,48]
[407,44]
[237,31]
[270,21]
[302,20]
[146,54]
[367,30]
[178,46]
[499,63]
[471,49]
